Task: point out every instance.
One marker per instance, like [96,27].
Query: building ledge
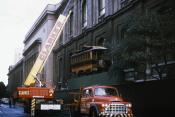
[37,41]
[49,9]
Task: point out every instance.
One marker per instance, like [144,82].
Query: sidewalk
[18,105]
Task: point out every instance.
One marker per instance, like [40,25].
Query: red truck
[101,101]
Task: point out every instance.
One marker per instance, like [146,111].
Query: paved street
[5,111]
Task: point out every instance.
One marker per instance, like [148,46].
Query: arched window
[84,13]
[101,42]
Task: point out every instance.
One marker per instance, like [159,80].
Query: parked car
[5,100]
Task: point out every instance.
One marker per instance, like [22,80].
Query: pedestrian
[10,102]
[14,102]
[14,99]
[0,102]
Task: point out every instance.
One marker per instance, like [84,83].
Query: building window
[60,41]
[101,7]
[60,69]
[101,42]
[123,33]
[71,24]
[84,14]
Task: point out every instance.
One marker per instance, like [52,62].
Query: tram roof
[89,48]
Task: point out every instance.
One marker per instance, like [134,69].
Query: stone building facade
[93,22]
[15,76]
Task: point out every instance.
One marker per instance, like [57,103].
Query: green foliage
[2,89]
[149,38]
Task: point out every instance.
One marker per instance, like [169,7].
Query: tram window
[80,58]
[100,55]
[84,57]
[88,56]
[71,60]
[94,56]
[74,60]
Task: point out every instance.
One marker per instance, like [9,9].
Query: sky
[16,19]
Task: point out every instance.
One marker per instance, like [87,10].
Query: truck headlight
[50,94]
[104,105]
[129,105]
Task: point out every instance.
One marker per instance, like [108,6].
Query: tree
[2,89]
[149,39]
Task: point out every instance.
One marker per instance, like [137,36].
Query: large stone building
[15,76]
[91,23]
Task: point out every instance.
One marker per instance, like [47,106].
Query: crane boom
[46,49]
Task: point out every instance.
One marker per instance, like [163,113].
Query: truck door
[86,100]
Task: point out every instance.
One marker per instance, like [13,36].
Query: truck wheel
[93,113]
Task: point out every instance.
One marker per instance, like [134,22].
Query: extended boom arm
[46,49]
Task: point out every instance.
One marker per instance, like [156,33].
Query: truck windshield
[106,92]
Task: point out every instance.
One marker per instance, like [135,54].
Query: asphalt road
[5,111]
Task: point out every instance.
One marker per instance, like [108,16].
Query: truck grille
[116,108]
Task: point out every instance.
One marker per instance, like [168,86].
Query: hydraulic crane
[39,97]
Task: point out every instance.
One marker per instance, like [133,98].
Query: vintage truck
[100,101]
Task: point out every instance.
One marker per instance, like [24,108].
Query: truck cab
[104,101]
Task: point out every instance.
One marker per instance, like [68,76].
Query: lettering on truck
[23,93]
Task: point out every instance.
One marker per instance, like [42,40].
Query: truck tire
[93,113]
